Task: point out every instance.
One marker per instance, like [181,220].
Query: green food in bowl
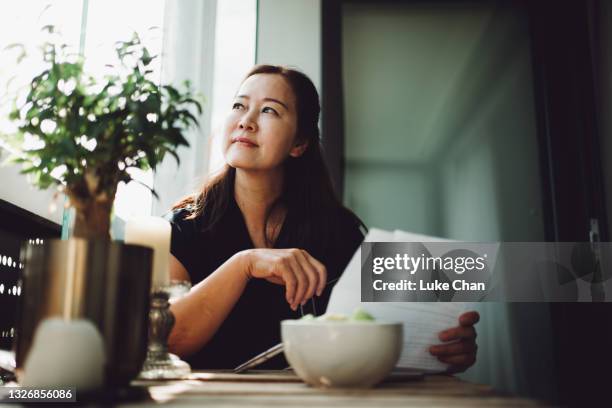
[362,315]
[359,315]
[333,317]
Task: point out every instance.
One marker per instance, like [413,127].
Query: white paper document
[422,320]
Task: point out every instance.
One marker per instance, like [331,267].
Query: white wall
[289,33]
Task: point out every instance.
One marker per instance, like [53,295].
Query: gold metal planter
[105,282]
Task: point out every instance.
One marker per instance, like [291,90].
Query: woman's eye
[268,109]
[237,105]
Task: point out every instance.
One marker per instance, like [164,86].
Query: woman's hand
[461,353]
[302,275]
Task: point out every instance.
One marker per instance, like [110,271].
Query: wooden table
[283,389]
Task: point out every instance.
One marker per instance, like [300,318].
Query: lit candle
[153,232]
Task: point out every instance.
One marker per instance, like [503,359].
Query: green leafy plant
[83,134]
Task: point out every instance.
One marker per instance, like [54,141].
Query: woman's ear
[298,149]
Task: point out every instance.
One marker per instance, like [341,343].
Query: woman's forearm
[200,313]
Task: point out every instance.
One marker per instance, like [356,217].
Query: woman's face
[260,130]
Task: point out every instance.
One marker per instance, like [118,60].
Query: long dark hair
[307,191]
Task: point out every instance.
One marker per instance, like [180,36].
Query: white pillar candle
[65,354]
[153,232]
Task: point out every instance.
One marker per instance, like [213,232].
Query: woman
[266,239]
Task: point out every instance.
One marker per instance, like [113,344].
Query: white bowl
[341,354]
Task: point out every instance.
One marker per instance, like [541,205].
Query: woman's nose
[247,123]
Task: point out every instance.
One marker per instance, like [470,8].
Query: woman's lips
[243,141]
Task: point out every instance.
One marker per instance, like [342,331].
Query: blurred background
[471,120]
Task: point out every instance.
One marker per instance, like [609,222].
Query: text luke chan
[458,284]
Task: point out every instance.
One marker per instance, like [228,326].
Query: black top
[253,325]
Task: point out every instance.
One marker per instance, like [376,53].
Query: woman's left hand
[461,353]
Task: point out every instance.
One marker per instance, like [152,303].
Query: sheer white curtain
[188,54]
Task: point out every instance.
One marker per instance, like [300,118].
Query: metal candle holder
[160,364]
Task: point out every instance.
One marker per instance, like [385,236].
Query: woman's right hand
[295,268]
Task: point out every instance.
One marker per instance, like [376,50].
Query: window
[20,23]
[84,26]
[92,28]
